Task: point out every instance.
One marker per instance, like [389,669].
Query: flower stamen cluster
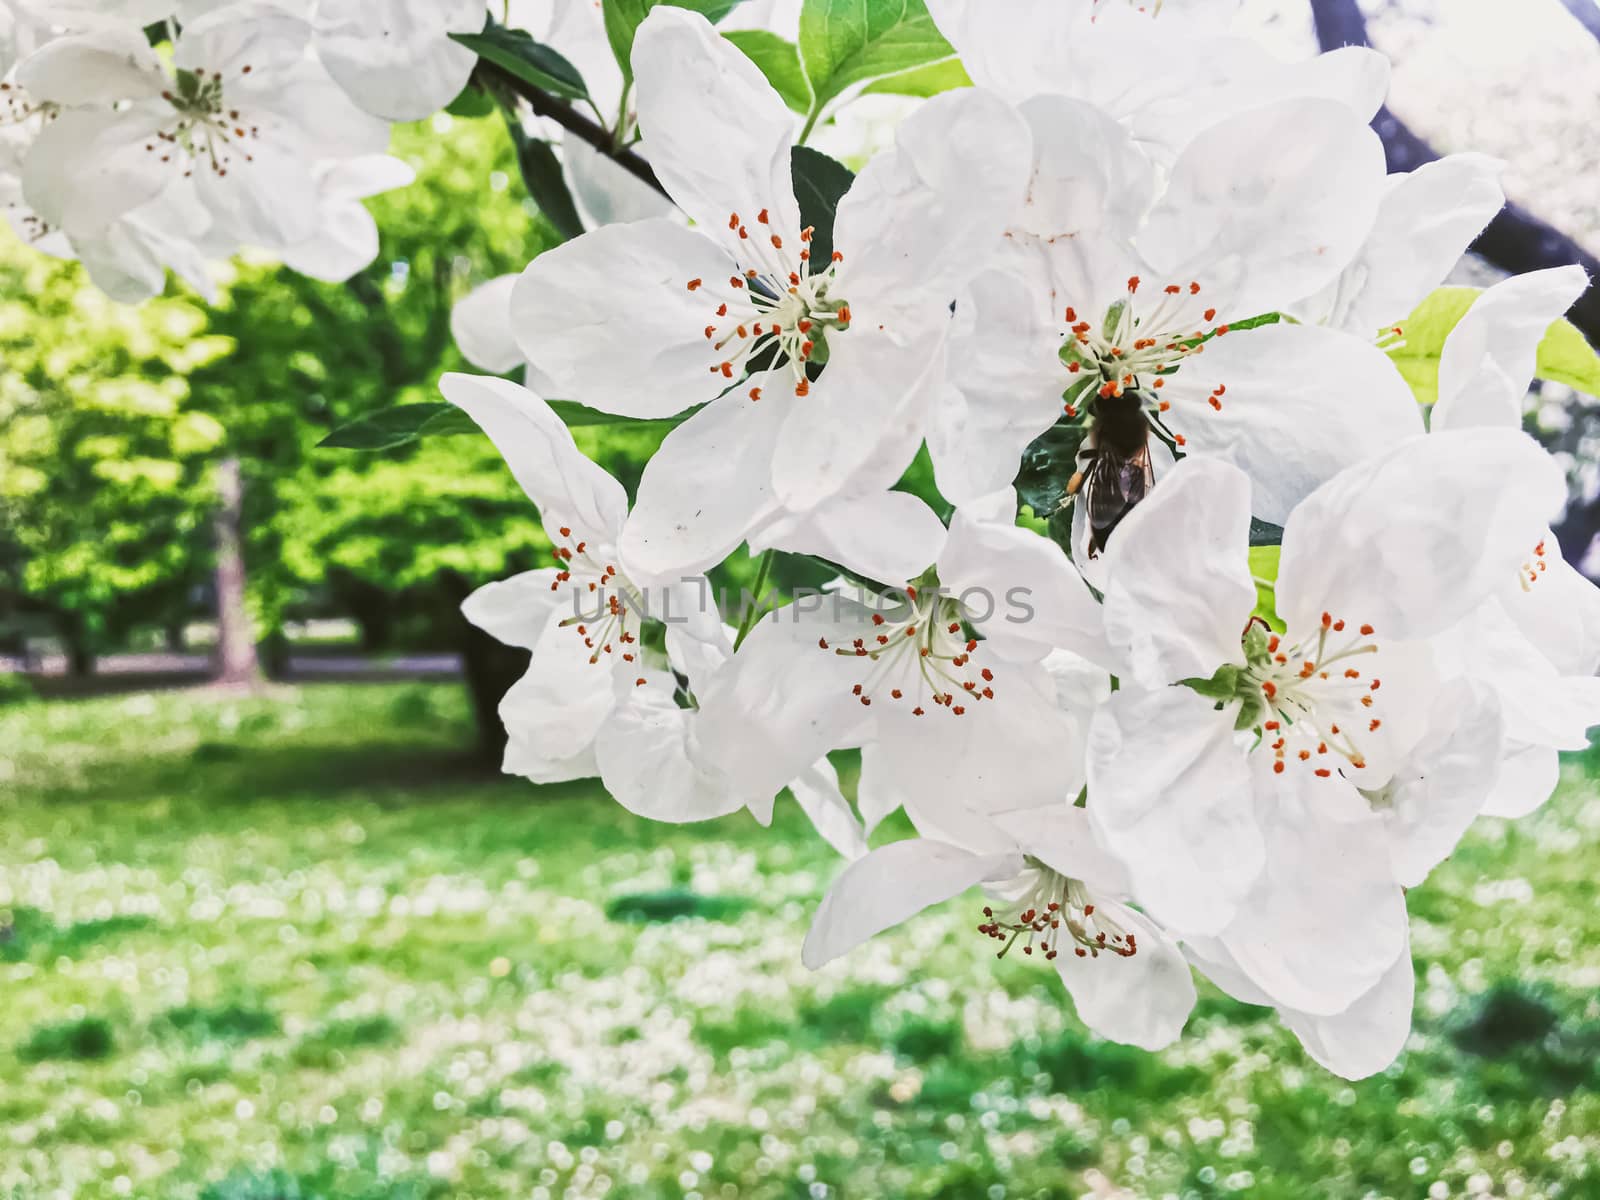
[614,620]
[923,661]
[1129,344]
[775,306]
[1300,683]
[206,129]
[1057,908]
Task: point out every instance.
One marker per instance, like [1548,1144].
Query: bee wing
[1113,487]
[1116,484]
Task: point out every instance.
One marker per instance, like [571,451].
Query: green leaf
[1048,465]
[931,80]
[1565,356]
[1264,569]
[546,184]
[779,61]
[471,101]
[1426,329]
[623,18]
[515,51]
[391,427]
[386,428]
[819,184]
[849,41]
[575,415]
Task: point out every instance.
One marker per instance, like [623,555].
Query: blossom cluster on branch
[1221,629]
[142,136]
[1140,241]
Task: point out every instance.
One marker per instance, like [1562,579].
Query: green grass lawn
[293,946]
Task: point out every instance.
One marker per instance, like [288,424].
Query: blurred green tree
[105,462]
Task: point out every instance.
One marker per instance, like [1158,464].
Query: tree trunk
[236,646]
[80,650]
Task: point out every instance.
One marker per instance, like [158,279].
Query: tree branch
[545,105]
[1586,13]
[1516,240]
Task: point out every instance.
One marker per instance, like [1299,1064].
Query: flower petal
[88,167]
[615,318]
[269,199]
[643,754]
[1022,592]
[558,707]
[1143,1000]
[522,758]
[1169,794]
[861,424]
[395,57]
[1529,776]
[607,193]
[1437,795]
[480,322]
[541,454]
[816,791]
[1006,381]
[922,219]
[1302,403]
[1272,227]
[1090,179]
[1370,1034]
[1412,540]
[1560,614]
[891,885]
[783,701]
[952,772]
[1177,588]
[1490,356]
[886,536]
[1325,919]
[716,133]
[101,65]
[1062,838]
[514,611]
[707,487]
[1541,706]
[1427,220]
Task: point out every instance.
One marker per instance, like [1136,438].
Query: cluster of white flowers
[1276,633]
[1150,766]
[146,135]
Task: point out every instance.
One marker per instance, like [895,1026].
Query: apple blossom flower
[1535,643]
[596,699]
[1056,895]
[1414,822]
[902,674]
[581,618]
[242,110]
[1119,287]
[648,319]
[1376,564]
